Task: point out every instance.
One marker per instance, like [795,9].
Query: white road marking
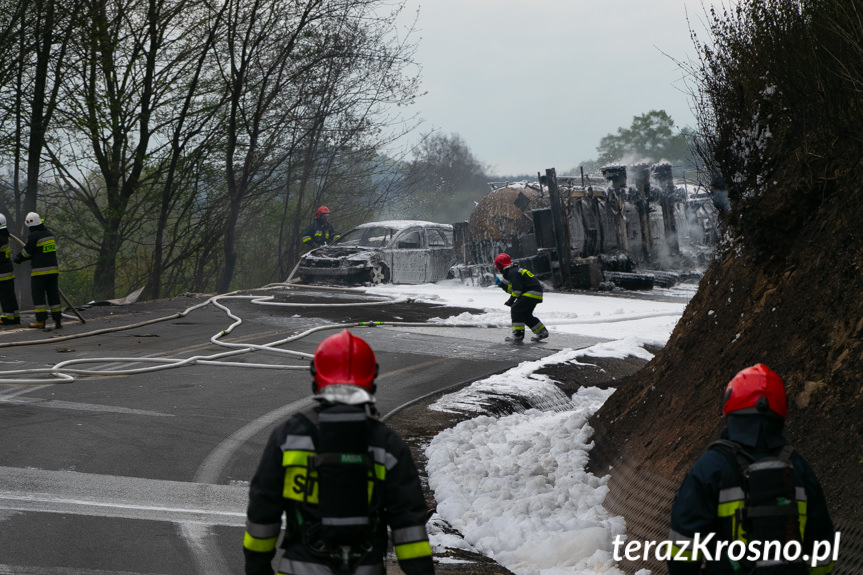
[23,570]
[70,492]
[59,404]
[207,555]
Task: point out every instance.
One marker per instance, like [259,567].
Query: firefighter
[525,293]
[8,299]
[337,510]
[320,232]
[44,271]
[751,486]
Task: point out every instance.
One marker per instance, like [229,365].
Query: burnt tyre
[631,281]
[379,274]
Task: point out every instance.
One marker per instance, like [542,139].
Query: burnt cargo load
[634,219]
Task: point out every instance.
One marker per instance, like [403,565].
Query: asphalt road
[147,473]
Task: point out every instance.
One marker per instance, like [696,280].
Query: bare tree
[118,107]
[34,44]
[305,94]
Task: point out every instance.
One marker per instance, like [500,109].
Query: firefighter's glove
[19,259]
[509,302]
[497,281]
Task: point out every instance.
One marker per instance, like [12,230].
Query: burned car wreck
[392,251]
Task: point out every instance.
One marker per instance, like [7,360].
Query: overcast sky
[535,84]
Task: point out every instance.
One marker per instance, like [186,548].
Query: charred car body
[392,251]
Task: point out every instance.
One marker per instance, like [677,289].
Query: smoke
[720,201]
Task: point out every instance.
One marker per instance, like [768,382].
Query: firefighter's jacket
[278,487]
[519,282]
[7,270]
[712,491]
[319,233]
[42,249]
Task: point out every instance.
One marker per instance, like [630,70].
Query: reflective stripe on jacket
[521,282]
[41,248]
[319,234]
[7,270]
[706,503]
[281,482]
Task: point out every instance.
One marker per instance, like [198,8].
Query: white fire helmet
[32,219]
[2,222]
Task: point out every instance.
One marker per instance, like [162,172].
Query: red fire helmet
[502,261]
[344,359]
[321,211]
[755,390]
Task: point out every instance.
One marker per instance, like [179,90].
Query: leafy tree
[650,138]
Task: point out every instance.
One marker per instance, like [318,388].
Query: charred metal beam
[560,234]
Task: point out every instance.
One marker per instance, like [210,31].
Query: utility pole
[557,219]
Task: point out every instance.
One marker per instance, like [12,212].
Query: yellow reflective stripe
[413,550]
[299,487]
[296,481]
[259,545]
[802,510]
[290,458]
[533,295]
[47,245]
[44,272]
[728,509]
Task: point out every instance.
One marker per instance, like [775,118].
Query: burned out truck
[632,228]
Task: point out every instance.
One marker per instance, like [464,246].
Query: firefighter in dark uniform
[320,232]
[8,299]
[333,525]
[525,293]
[778,498]
[44,272]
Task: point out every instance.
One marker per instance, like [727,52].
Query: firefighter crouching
[750,488]
[340,476]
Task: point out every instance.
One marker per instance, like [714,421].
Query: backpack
[770,510]
[346,517]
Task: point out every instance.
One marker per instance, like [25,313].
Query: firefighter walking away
[340,477]
[751,491]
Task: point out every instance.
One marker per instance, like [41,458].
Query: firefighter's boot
[540,335]
[517,338]
[58,319]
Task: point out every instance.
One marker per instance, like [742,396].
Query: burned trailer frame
[644,223]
